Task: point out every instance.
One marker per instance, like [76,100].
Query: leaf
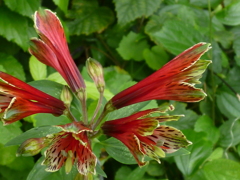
[137,173]
[129,10]
[155,169]
[23,7]
[126,111]
[37,132]
[200,151]
[132,46]
[116,79]
[63,5]
[117,150]
[179,152]
[155,57]
[186,122]
[216,154]
[222,169]
[43,119]
[228,104]
[229,133]
[89,17]
[230,15]
[12,66]
[122,172]
[38,70]
[99,171]
[7,154]
[205,124]
[52,88]
[14,27]
[10,131]
[177,36]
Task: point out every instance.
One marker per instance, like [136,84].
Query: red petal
[22,89]
[20,108]
[170,77]
[51,32]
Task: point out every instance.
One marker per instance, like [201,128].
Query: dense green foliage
[132,39]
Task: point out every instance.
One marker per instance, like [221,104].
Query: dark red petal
[20,108]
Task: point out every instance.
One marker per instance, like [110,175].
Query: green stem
[70,115]
[104,113]
[97,108]
[82,97]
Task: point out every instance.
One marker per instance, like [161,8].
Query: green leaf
[43,119]
[228,104]
[52,88]
[10,131]
[177,36]
[186,122]
[132,46]
[62,4]
[23,7]
[155,57]
[129,10]
[117,150]
[12,66]
[180,152]
[155,169]
[38,70]
[200,151]
[14,27]
[222,169]
[205,124]
[99,171]
[122,172]
[216,154]
[89,17]
[126,111]
[116,79]
[230,15]
[37,132]
[7,154]
[229,133]
[137,173]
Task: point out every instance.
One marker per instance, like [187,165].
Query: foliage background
[132,39]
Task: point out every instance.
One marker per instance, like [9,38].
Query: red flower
[52,48]
[143,135]
[174,81]
[66,147]
[19,100]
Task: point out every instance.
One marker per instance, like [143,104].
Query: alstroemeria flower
[19,100]
[69,146]
[174,81]
[144,136]
[52,48]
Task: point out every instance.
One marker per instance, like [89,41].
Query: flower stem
[70,115]
[104,113]
[82,97]
[97,108]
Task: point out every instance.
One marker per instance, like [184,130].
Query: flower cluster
[142,133]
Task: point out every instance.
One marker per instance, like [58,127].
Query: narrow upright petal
[174,81]
[53,50]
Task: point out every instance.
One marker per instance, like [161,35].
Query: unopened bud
[66,95]
[31,147]
[95,71]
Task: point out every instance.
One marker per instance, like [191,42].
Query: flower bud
[95,71]
[66,96]
[31,147]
